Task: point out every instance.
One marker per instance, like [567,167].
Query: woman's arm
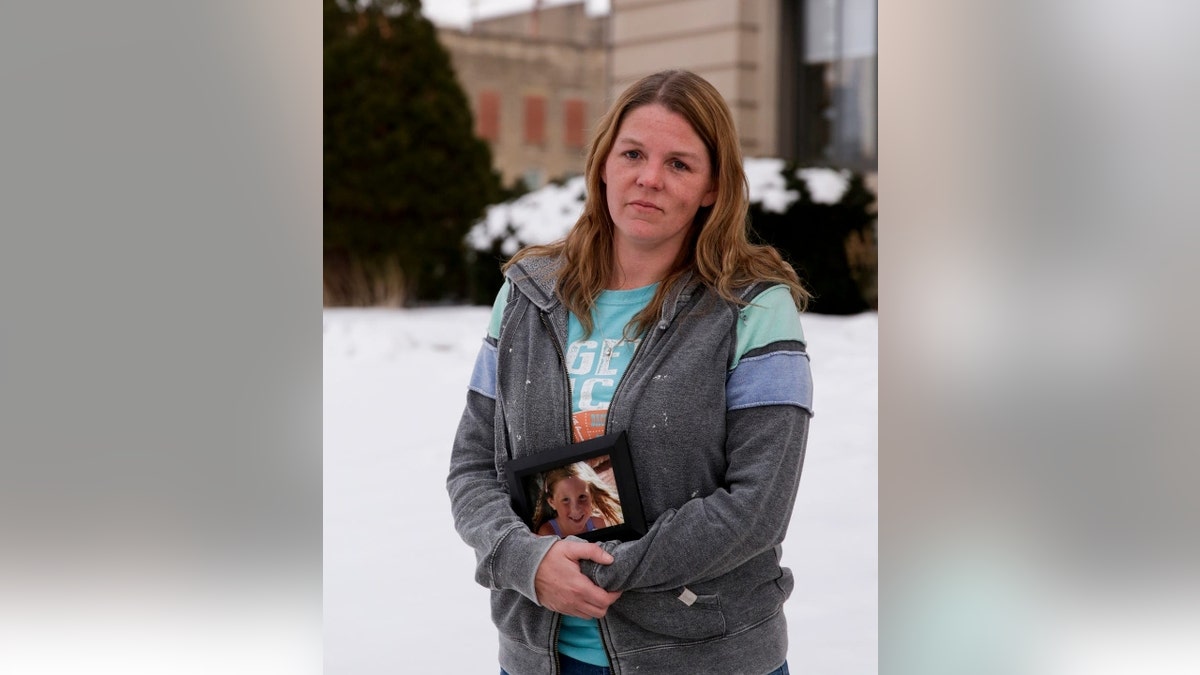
[507,553]
[509,556]
[709,536]
[768,396]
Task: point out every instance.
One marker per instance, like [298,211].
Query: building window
[574,110]
[487,124]
[831,82]
[535,120]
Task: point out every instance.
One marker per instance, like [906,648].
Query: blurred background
[431,126]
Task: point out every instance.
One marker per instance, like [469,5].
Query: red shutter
[535,120]
[573,116]
[487,126]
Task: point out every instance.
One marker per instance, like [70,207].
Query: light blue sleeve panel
[773,378]
[770,317]
[771,365]
[498,311]
[483,377]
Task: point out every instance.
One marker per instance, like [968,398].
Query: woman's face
[657,176]
[570,498]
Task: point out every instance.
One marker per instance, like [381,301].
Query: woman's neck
[635,269]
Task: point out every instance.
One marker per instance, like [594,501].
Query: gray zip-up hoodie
[717,456]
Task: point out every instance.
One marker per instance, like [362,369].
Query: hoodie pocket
[668,613]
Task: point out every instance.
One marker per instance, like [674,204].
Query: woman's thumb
[593,552]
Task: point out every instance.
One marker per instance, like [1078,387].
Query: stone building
[537,84]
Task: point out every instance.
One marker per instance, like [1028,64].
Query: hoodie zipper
[554,643]
[662,325]
[644,346]
[571,438]
[562,360]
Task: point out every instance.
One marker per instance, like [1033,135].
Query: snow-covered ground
[399,590]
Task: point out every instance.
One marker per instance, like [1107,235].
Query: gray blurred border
[1037,272]
[160,361]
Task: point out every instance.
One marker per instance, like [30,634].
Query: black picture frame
[523,474]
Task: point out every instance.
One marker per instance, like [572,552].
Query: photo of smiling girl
[574,499]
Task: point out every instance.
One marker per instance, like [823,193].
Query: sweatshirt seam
[540,651]
[481,392]
[759,404]
[770,354]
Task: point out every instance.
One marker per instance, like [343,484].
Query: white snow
[826,186]
[399,584]
[765,179]
[546,214]
[538,217]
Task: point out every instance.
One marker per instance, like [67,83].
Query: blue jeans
[572,667]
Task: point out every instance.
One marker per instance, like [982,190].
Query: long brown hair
[718,248]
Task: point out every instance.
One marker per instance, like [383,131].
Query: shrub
[827,232]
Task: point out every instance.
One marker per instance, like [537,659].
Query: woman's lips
[647,206]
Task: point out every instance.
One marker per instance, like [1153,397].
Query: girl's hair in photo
[604,498]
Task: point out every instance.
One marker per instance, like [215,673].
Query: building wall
[565,65]
[787,99]
[732,43]
[568,23]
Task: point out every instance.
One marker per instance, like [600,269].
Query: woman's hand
[563,588]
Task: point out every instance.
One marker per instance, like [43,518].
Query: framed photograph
[584,489]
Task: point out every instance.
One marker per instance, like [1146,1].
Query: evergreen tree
[405,175]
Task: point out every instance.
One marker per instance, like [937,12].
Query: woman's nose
[650,177]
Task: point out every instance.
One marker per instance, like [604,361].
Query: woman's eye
[631,154]
[678,165]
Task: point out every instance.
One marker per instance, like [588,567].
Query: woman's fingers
[560,585]
[578,550]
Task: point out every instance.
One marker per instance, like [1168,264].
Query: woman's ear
[709,197]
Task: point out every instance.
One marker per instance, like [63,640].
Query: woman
[656,316]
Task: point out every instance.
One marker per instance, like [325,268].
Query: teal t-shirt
[595,365]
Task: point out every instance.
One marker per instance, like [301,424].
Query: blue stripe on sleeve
[483,377]
[777,378]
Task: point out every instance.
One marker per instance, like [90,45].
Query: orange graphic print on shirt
[588,424]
